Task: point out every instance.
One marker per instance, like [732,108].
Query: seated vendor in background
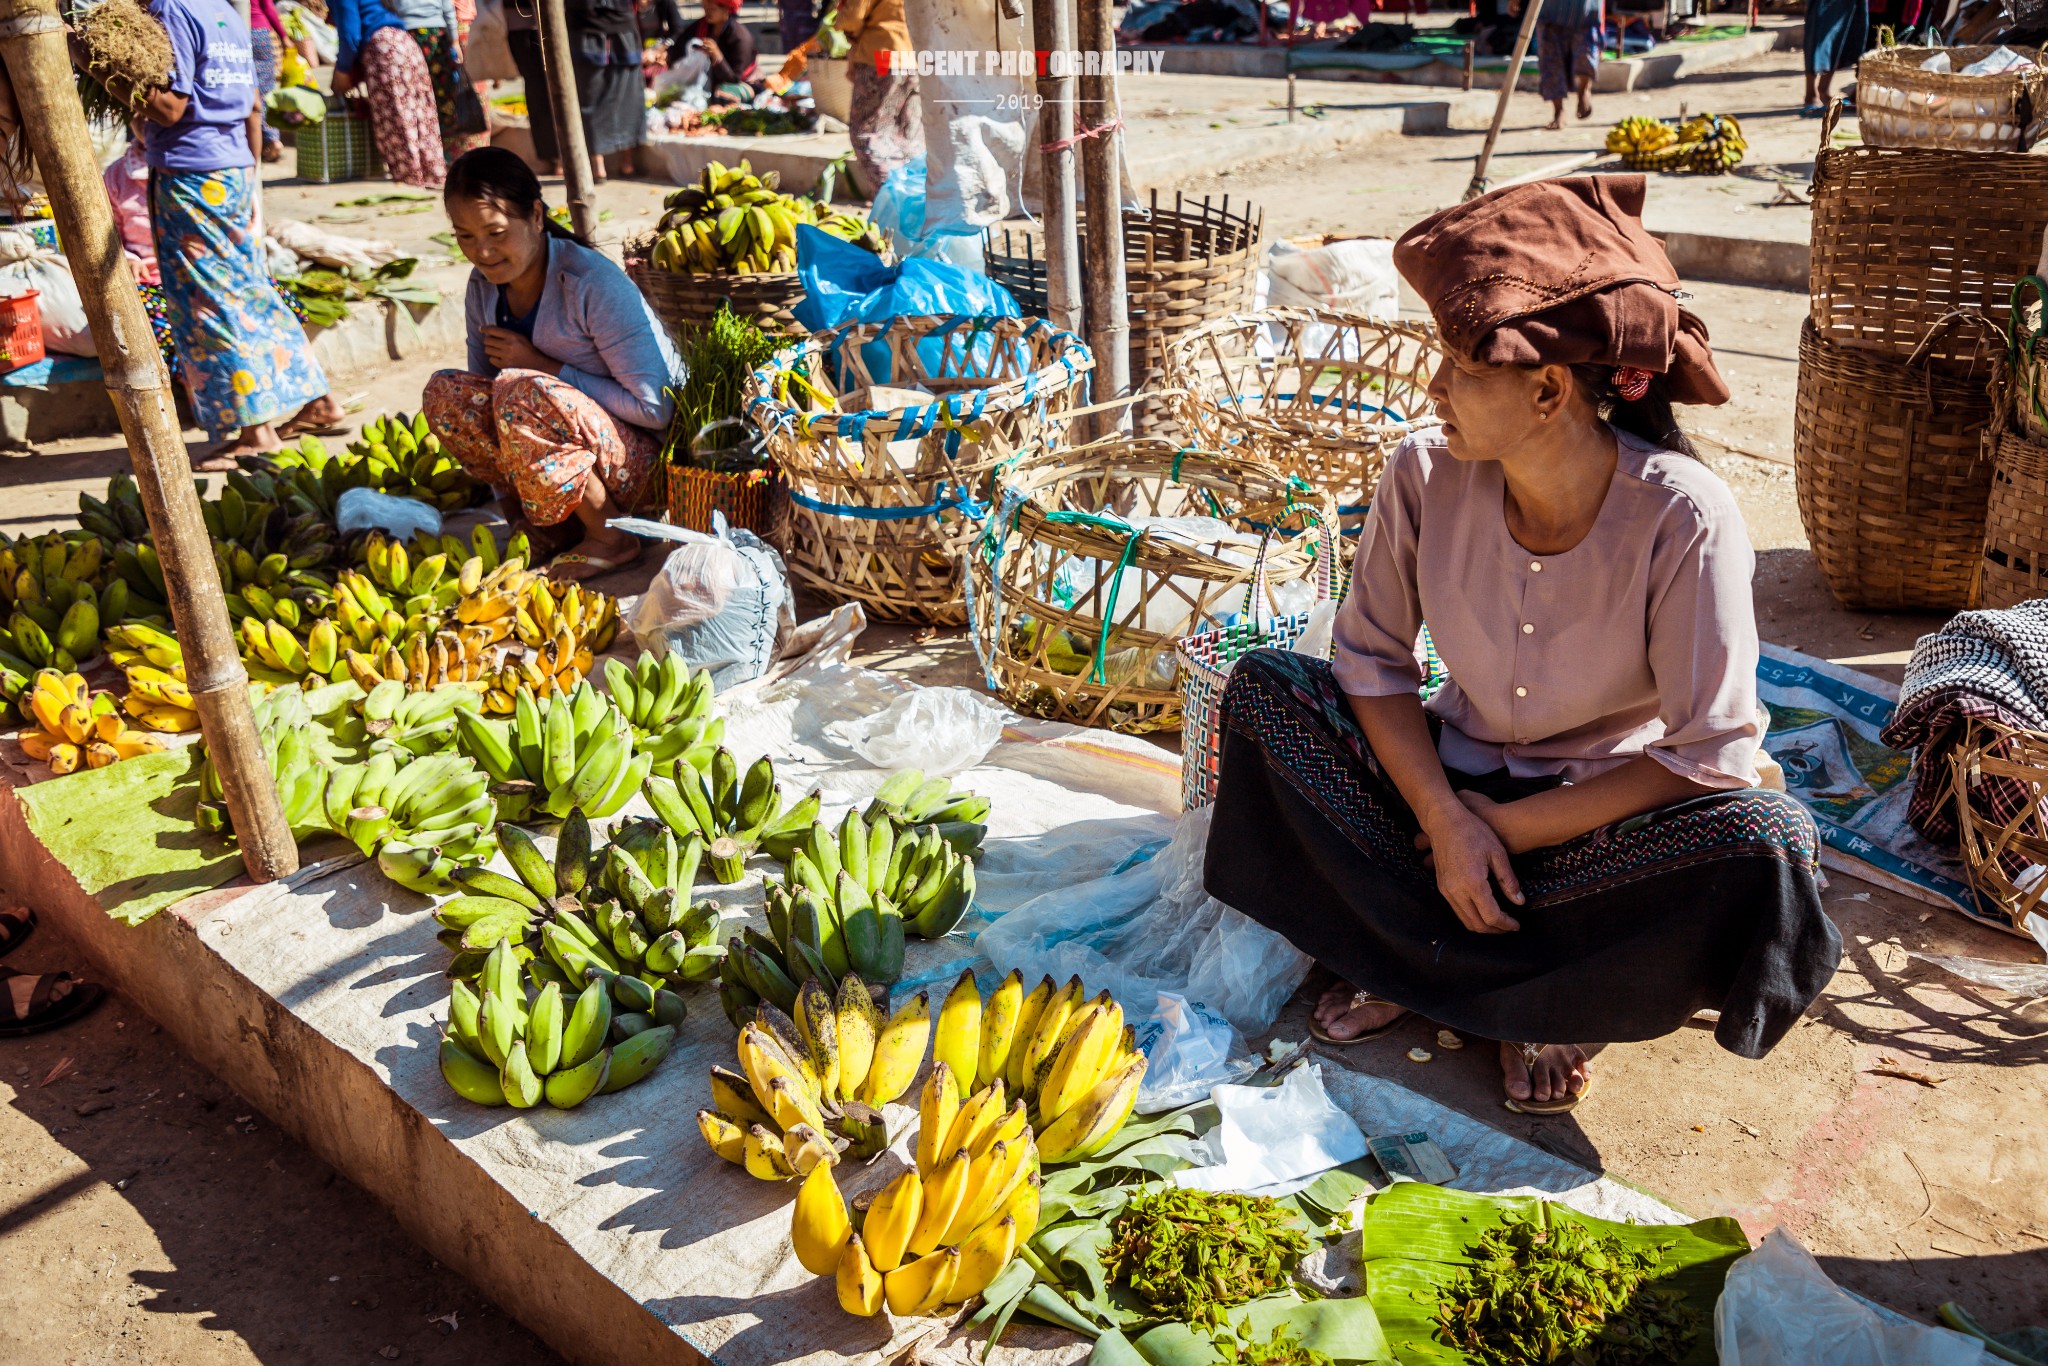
[567,392]
[731,47]
[1564,846]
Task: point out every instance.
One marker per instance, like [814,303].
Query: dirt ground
[148,1215]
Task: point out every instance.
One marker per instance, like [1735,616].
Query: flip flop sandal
[294,429]
[44,1012]
[16,924]
[599,564]
[1550,1107]
[1359,1000]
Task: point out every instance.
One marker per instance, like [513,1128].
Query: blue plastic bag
[844,283]
[901,210]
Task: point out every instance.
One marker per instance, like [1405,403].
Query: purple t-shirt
[211,67]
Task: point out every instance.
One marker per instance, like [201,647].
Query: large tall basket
[885,496]
[1326,396]
[1082,592]
[1900,103]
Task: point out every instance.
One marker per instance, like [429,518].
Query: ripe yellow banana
[819,1226]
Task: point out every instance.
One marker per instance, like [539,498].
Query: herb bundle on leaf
[708,430]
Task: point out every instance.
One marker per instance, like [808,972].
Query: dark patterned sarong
[1712,903]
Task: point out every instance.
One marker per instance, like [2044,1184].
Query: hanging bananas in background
[733,220]
[812,1086]
[503,1048]
[79,727]
[559,753]
[1706,144]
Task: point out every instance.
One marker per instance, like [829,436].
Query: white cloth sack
[25,265]
[355,255]
[1779,1308]
[1355,275]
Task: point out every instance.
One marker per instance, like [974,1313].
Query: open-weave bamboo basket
[1890,470]
[1326,396]
[1904,237]
[885,501]
[1998,851]
[1898,104]
[685,301]
[1078,612]
[1185,263]
[2015,564]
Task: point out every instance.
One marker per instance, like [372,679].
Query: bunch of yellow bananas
[155,665]
[79,726]
[804,1086]
[276,655]
[551,606]
[1072,1058]
[936,1235]
[421,664]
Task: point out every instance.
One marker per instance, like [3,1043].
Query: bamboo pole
[1109,327]
[577,182]
[1052,34]
[1531,8]
[38,63]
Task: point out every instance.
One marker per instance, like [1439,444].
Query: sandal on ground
[1812,111]
[1556,1106]
[57,999]
[16,924]
[312,427]
[597,563]
[1359,1000]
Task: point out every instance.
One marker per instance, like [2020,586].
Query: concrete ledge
[1738,260]
[1162,162]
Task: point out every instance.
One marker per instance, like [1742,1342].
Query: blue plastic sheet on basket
[844,283]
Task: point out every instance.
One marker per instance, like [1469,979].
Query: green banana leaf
[1415,1241]
[1342,1330]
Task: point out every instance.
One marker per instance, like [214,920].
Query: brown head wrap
[1559,272]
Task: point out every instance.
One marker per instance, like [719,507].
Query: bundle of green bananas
[421,819]
[293,725]
[928,881]
[939,1233]
[730,813]
[247,522]
[406,446]
[17,678]
[808,1081]
[651,922]
[501,1048]
[668,707]
[53,588]
[497,907]
[120,516]
[1073,1059]
[309,479]
[559,753]
[154,663]
[909,798]
[1637,138]
[733,220]
[416,723]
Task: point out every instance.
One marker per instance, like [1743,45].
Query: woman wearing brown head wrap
[1565,842]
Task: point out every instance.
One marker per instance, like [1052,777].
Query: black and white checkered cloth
[1990,666]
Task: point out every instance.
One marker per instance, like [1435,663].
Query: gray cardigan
[595,321]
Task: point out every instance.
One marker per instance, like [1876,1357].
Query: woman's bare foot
[1342,1019]
[323,414]
[261,439]
[1560,1070]
[1585,110]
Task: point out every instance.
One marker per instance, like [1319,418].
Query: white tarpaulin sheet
[626,1182]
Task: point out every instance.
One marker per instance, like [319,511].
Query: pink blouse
[1641,639]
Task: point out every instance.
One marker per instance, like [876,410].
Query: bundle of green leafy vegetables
[326,294]
[709,430]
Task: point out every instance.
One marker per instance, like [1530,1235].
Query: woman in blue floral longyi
[242,354]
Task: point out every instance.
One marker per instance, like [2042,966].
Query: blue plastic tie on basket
[994,530]
[952,497]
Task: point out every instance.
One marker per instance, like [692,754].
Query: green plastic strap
[1132,535]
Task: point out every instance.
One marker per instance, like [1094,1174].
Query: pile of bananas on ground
[56,590]
[733,220]
[812,1085]
[938,1234]
[1705,144]
[504,1048]
[405,445]
[559,752]
[730,812]
[1071,1058]
[394,454]
[154,664]
[78,727]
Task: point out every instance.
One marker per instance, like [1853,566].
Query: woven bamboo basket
[1326,396]
[1899,104]
[1890,470]
[1890,258]
[756,500]
[1078,612]
[2015,564]
[884,501]
[1185,263]
[1997,853]
[684,301]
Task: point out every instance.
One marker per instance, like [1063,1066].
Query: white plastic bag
[1274,1139]
[721,601]
[690,77]
[1780,1309]
[940,730]
[1355,275]
[62,312]
[400,518]
[1149,931]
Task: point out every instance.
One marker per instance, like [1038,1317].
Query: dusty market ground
[147,1215]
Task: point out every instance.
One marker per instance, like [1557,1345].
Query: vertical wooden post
[577,183]
[1531,8]
[1466,84]
[1052,33]
[38,64]
[1290,97]
[1109,328]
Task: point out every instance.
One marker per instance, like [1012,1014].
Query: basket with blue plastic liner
[888,433]
[1326,396]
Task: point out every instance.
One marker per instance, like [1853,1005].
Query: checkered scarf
[1988,666]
